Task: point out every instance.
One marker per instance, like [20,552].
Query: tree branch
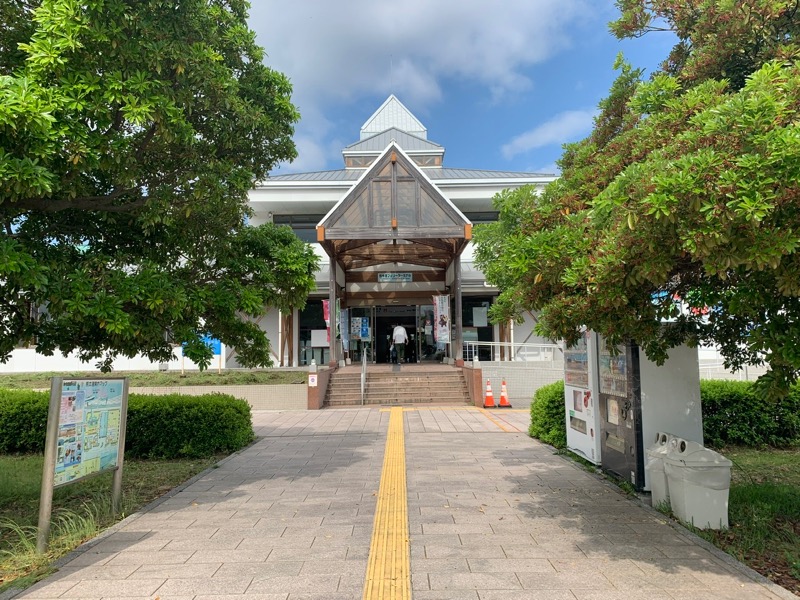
[105,203]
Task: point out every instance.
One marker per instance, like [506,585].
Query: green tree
[678,218]
[130,135]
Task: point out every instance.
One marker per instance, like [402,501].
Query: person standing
[400,339]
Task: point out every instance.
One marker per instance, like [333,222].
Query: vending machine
[580,396]
[621,412]
[638,398]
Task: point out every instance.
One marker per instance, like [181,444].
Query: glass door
[426,345]
[362,327]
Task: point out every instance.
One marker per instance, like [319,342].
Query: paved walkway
[492,515]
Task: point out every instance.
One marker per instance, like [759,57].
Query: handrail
[517,352]
[363,374]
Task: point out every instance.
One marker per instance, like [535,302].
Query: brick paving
[493,515]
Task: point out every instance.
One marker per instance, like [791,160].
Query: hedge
[547,415]
[732,415]
[169,426]
[23,421]
[186,426]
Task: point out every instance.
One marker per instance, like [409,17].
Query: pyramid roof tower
[392,114]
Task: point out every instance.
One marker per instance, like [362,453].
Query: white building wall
[27,360]
[270,323]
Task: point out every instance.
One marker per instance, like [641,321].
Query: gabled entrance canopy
[395,219]
[394,214]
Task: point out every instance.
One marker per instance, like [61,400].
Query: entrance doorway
[418,322]
[386,317]
[370,331]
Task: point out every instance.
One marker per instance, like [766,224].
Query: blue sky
[501,85]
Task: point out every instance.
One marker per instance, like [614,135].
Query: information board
[90,413]
[85,436]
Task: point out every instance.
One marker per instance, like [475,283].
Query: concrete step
[393,387]
[382,402]
[398,386]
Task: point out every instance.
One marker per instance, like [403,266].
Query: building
[393,228]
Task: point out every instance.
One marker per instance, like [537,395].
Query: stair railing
[363,374]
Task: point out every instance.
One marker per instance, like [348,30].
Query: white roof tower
[392,113]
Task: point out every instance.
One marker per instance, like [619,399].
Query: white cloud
[311,156]
[564,127]
[550,169]
[337,52]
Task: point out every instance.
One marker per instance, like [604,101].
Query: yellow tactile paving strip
[389,564]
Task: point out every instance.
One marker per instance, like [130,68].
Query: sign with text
[85,436]
[89,419]
[395,277]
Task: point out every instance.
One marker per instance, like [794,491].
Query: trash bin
[699,480]
[659,491]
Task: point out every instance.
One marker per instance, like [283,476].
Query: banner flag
[441,318]
[326,314]
[345,328]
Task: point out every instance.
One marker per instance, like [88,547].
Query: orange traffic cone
[488,401]
[504,403]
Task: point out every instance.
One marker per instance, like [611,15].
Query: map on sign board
[89,418]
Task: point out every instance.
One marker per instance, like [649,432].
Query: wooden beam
[370,262]
[434,243]
[348,245]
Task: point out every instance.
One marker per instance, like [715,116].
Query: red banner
[326,314]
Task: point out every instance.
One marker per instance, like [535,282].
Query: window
[304,226]
[428,160]
[358,162]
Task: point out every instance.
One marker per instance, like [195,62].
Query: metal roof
[408,142]
[442,173]
[339,175]
[392,113]
[448,173]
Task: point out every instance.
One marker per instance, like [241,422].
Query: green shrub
[158,426]
[734,415]
[23,421]
[186,426]
[548,421]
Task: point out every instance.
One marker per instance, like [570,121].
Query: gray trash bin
[699,480]
[656,476]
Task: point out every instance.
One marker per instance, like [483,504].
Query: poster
[89,419]
[576,364]
[355,328]
[613,411]
[613,375]
[345,329]
[441,318]
[480,316]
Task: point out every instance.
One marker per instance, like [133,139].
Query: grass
[764,513]
[162,378]
[80,510]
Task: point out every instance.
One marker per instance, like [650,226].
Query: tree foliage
[130,134]
[678,219]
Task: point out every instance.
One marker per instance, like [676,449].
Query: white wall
[27,360]
[270,323]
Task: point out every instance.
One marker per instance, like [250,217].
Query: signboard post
[85,436]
